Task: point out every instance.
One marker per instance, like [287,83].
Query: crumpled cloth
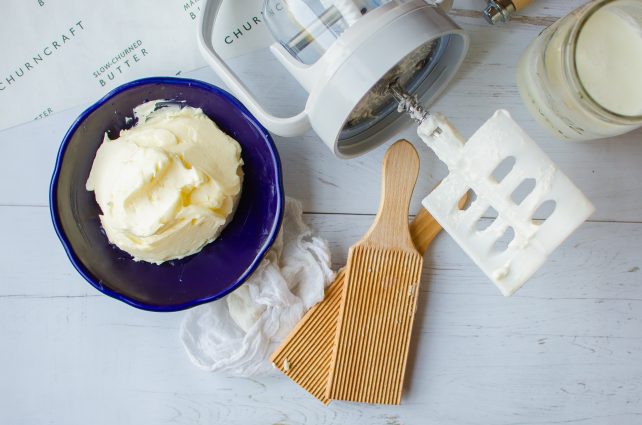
[237,333]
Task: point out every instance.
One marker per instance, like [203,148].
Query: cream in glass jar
[582,77]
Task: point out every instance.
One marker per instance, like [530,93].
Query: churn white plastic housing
[344,53]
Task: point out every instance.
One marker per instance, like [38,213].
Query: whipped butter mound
[168,186]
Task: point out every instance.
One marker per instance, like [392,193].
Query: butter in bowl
[166,204]
[178,184]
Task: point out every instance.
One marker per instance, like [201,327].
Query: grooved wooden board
[375,328]
[306,354]
[380,294]
[308,349]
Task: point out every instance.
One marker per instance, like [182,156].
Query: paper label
[59,54]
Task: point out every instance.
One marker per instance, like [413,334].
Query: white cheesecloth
[237,333]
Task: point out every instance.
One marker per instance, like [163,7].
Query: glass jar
[582,77]
[307,28]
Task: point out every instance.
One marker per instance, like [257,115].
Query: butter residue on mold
[169,185]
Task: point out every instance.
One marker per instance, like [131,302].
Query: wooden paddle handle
[424,228]
[520,4]
[399,175]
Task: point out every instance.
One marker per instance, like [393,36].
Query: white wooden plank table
[566,349]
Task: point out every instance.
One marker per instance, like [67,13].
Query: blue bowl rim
[53,193]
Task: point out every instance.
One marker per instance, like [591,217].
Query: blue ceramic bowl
[222,265]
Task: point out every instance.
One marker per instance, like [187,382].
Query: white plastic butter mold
[472,167]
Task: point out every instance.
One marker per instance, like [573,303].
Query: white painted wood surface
[566,349]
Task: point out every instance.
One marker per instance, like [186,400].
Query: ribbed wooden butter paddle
[380,294]
[306,354]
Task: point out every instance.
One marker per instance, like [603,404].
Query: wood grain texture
[375,325]
[306,354]
[567,349]
[608,172]
[399,174]
[423,230]
[521,4]
[380,294]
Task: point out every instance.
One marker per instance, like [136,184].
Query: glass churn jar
[581,78]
